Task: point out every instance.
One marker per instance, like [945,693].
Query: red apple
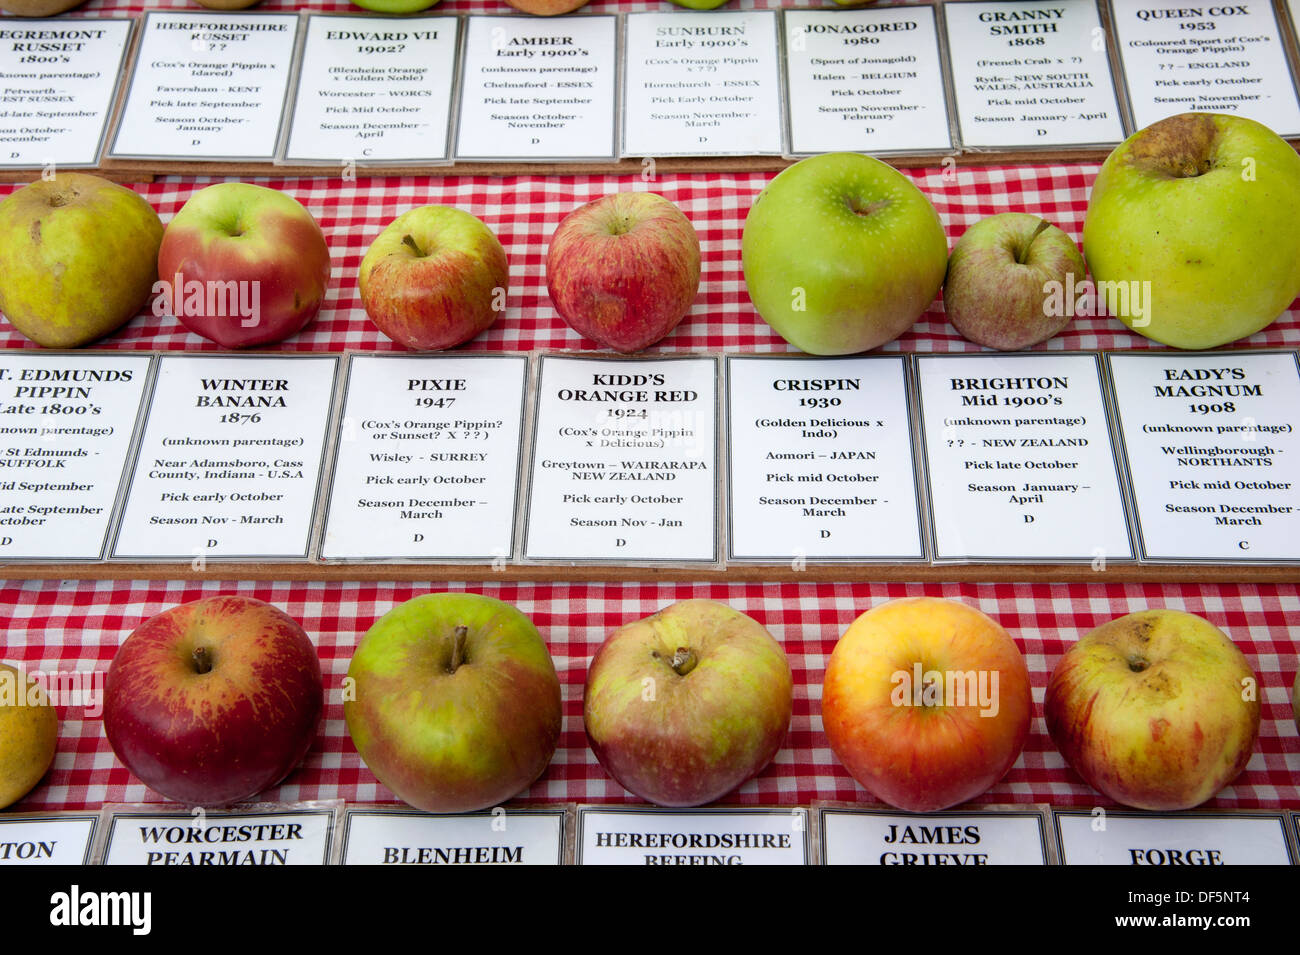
[435,278]
[926,702]
[685,705]
[1157,709]
[623,270]
[213,701]
[242,265]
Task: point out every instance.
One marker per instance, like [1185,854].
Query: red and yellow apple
[1156,709]
[926,702]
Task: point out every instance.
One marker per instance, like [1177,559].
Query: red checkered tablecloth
[68,625]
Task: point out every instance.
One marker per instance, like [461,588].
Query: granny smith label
[640,836]
[398,836]
[1106,837]
[880,837]
[1221,58]
[58,79]
[820,463]
[230,460]
[287,835]
[66,426]
[701,84]
[539,88]
[1213,457]
[208,86]
[1031,73]
[374,90]
[624,463]
[52,839]
[427,461]
[1019,459]
[865,80]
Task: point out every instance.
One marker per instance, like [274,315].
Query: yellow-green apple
[434,278]
[685,705]
[842,253]
[1193,229]
[395,6]
[699,4]
[1156,709]
[29,730]
[38,8]
[1007,275]
[926,702]
[455,703]
[242,265]
[78,258]
[547,8]
[624,269]
[227,4]
[211,702]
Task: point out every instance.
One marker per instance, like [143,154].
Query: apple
[926,702]
[78,258]
[212,701]
[29,730]
[1000,280]
[685,705]
[548,8]
[699,4]
[1196,218]
[38,8]
[455,703]
[1295,701]
[227,4]
[434,278]
[842,253]
[395,6]
[1156,709]
[624,269]
[242,265]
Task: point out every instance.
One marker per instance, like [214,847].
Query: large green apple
[842,253]
[454,704]
[78,258]
[1194,223]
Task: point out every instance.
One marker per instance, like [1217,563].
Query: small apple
[213,701]
[999,280]
[434,278]
[395,6]
[242,265]
[29,730]
[699,4]
[1196,218]
[842,253]
[227,4]
[624,269]
[926,702]
[38,8]
[456,703]
[78,258]
[1156,709]
[685,705]
[547,8]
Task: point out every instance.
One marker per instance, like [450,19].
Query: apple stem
[1024,253]
[683,661]
[202,660]
[459,636]
[410,243]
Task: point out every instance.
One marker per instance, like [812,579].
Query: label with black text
[397,836]
[638,836]
[1191,837]
[881,837]
[289,835]
[64,838]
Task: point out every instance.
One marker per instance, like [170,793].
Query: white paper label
[702,84]
[58,80]
[821,460]
[1019,459]
[229,464]
[273,838]
[865,80]
[374,90]
[66,423]
[1223,59]
[866,837]
[62,839]
[624,461]
[428,459]
[692,837]
[1031,73]
[1212,453]
[1189,838]
[538,88]
[208,86]
[407,837]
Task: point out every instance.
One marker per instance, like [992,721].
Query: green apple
[1193,229]
[395,6]
[454,702]
[78,258]
[842,253]
[699,4]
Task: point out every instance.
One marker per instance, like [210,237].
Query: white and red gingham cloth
[66,625]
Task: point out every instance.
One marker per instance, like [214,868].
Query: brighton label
[55,839]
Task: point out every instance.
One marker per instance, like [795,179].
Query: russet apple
[547,8]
